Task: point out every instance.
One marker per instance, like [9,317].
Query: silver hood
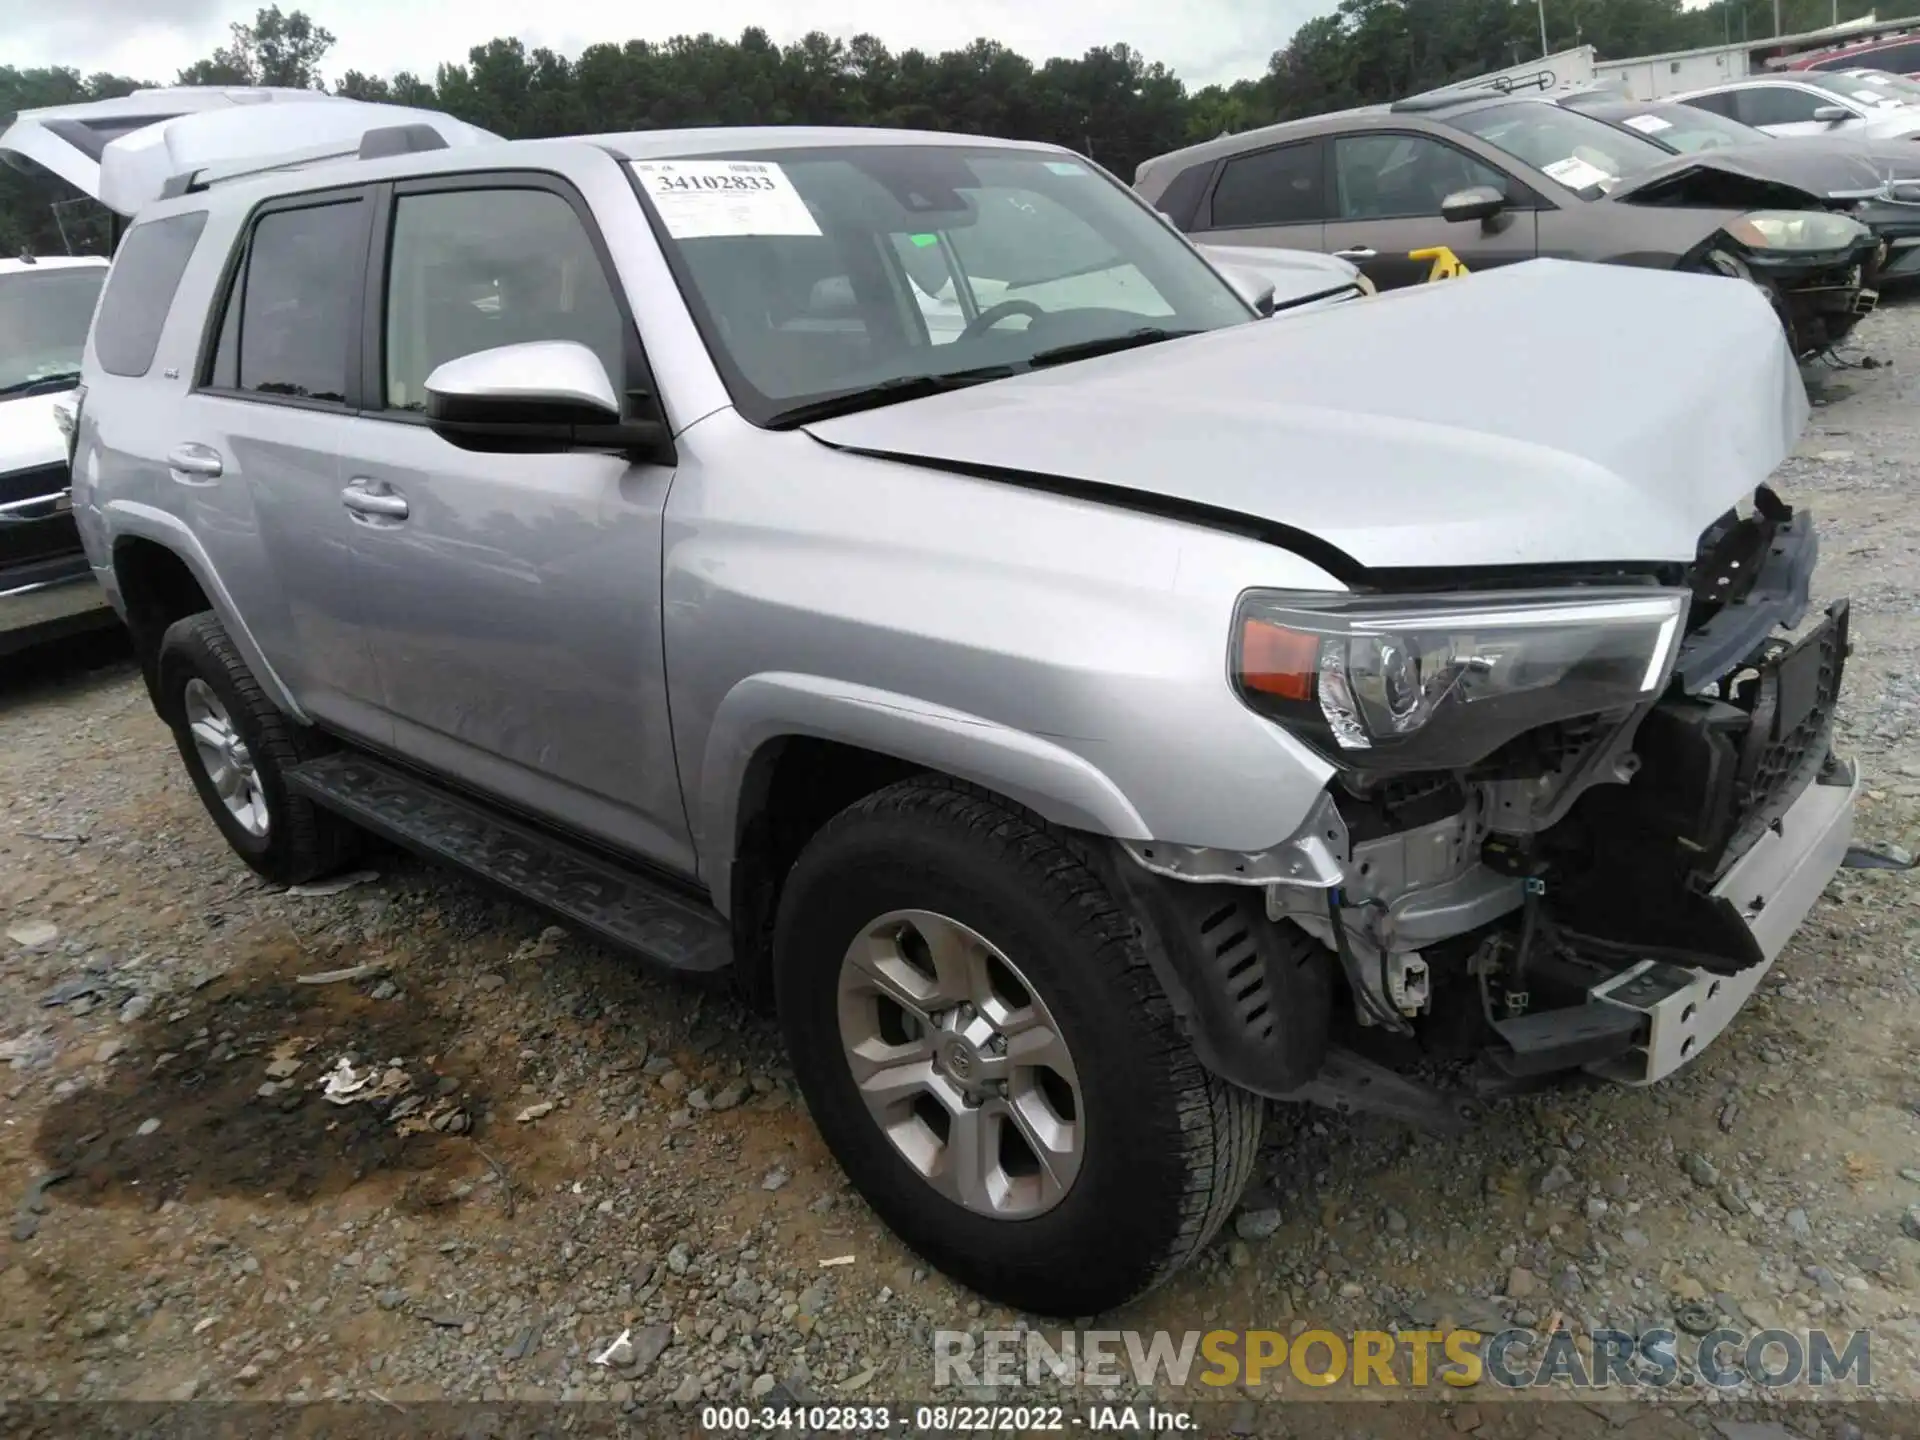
[1550,412]
[1298,277]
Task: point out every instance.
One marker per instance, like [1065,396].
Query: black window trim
[637,386]
[1203,215]
[1520,195]
[231,287]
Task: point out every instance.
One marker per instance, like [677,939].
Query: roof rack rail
[1541,80]
[376,144]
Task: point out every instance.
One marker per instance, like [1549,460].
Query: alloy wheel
[961,1064]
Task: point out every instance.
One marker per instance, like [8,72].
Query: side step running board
[617,905]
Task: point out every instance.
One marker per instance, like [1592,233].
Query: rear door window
[140,289]
[1282,186]
[293,310]
[1777,105]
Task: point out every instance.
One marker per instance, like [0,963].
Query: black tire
[1169,1146]
[302,841]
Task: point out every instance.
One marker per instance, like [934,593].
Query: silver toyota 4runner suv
[1082,723]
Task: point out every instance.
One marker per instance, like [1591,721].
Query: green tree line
[1112,103]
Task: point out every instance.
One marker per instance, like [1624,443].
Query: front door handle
[362,498]
[1358,252]
[191,464]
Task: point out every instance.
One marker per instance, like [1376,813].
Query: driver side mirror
[1832,114]
[1253,287]
[542,397]
[1477,202]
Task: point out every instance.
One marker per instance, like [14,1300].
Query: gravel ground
[562,1149]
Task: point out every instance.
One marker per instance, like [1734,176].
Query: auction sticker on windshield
[1575,173]
[702,198]
[1648,124]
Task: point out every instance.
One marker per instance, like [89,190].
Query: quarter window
[1720,102]
[1283,186]
[1383,177]
[473,270]
[140,288]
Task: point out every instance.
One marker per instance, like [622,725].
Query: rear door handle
[363,499]
[192,464]
[1358,252]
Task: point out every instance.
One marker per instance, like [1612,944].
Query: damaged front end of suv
[1570,830]
[1813,266]
[1812,260]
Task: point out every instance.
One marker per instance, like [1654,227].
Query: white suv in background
[1809,103]
[45,585]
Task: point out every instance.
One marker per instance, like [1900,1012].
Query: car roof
[1748,82]
[257,179]
[38,263]
[720,140]
[1364,117]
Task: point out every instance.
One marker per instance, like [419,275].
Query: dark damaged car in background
[1497,180]
[1877,182]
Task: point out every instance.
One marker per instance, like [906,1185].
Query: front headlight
[1440,682]
[1796,230]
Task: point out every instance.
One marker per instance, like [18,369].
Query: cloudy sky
[1202,40]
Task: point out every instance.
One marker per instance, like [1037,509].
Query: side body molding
[1051,780]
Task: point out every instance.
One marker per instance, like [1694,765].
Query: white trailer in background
[1562,70]
[1650,77]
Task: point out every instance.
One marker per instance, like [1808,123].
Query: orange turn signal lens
[1277,661]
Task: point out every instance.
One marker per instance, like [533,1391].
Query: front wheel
[1800,340]
[982,1041]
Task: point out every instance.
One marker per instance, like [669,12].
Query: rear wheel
[237,747]
[983,1043]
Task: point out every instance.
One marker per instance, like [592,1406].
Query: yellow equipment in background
[1446,264]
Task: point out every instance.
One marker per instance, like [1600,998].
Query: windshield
[857,271]
[1852,87]
[44,316]
[1584,154]
[1689,129]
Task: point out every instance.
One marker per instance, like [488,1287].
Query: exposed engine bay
[1577,900]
